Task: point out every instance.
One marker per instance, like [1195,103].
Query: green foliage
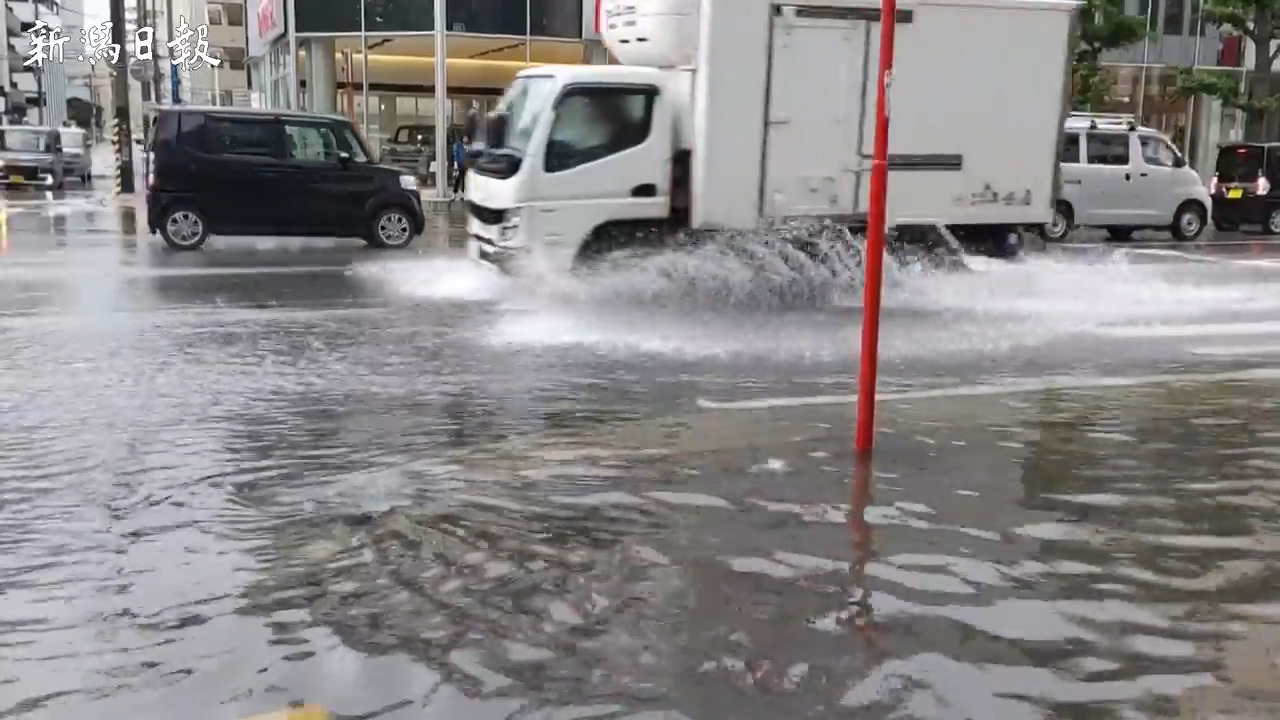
[1103,26]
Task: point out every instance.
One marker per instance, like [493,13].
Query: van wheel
[184,228]
[391,229]
[1272,224]
[1063,222]
[1188,221]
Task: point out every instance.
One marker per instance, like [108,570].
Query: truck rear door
[819,61]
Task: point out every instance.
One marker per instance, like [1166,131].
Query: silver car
[1122,177]
[77,160]
[31,157]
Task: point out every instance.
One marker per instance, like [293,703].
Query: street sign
[142,70]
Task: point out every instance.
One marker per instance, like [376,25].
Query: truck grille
[485,215]
[24,172]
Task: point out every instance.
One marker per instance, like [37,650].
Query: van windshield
[24,140]
[1239,163]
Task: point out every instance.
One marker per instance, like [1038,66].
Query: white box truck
[731,114]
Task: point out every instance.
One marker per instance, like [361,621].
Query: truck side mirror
[495,130]
[1179,161]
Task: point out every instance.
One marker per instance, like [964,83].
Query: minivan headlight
[408,182]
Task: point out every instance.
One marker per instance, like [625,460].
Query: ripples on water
[1089,556]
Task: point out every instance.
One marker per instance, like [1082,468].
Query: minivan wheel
[1272,225]
[1060,225]
[1188,221]
[392,229]
[184,228]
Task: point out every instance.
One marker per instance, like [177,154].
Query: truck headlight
[408,182]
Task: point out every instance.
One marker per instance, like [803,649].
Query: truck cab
[571,153]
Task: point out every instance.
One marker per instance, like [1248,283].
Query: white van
[1122,177]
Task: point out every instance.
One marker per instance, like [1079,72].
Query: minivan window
[354,147]
[1156,152]
[417,134]
[1070,148]
[241,136]
[310,141]
[1107,148]
[72,139]
[1239,163]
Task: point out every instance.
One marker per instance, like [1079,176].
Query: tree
[1103,26]
[1259,22]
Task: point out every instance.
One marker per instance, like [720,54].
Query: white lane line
[1186,331]
[1161,252]
[1012,387]
[1237,351]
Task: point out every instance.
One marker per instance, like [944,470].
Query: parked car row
[44,157]
[1121,177]
[241,171]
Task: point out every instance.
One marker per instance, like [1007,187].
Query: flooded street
[400,487]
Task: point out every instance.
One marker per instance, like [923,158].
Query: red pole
[873,252]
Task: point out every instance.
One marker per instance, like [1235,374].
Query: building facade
[308,54]
[42,91]
[1144,77]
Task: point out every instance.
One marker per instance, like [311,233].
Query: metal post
[873,250]
[1191,102]
[120,92]
[157,82]
[291,12]
[1146,51]
[364,74]
[174,81]
[528,31]
[442,102]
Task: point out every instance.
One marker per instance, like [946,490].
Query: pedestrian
[460,167]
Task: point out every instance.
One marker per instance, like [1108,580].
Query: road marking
[1185,331]
[300,712]
[1237,351]
[1013,387]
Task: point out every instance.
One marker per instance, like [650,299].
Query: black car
[236,171]
[1246,187]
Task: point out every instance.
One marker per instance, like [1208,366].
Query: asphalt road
[401,487]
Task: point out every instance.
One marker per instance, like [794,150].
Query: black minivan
[239,171]
[1246,186]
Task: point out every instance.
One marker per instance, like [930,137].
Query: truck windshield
[524,103]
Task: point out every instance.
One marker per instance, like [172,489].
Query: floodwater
[405,489]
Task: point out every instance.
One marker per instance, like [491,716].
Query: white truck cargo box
[952,158]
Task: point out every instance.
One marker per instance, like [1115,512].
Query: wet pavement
[286,470]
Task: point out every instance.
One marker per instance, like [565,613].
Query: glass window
[312,142]
[352,145]
[1173,17]
[1107,148]
[191,130]
[215,14]
[406,107]
[592,123]
[524,102]
[235,15]
[72,139]
[1070,148]
[417,134]
[241,136]
[1157,152]
[24,140]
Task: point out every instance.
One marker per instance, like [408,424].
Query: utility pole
[174,99]
[157,81]
[120,92]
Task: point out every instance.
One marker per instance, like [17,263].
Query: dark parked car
[237,171]
[412,149]
[1246,187]
[31,157]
